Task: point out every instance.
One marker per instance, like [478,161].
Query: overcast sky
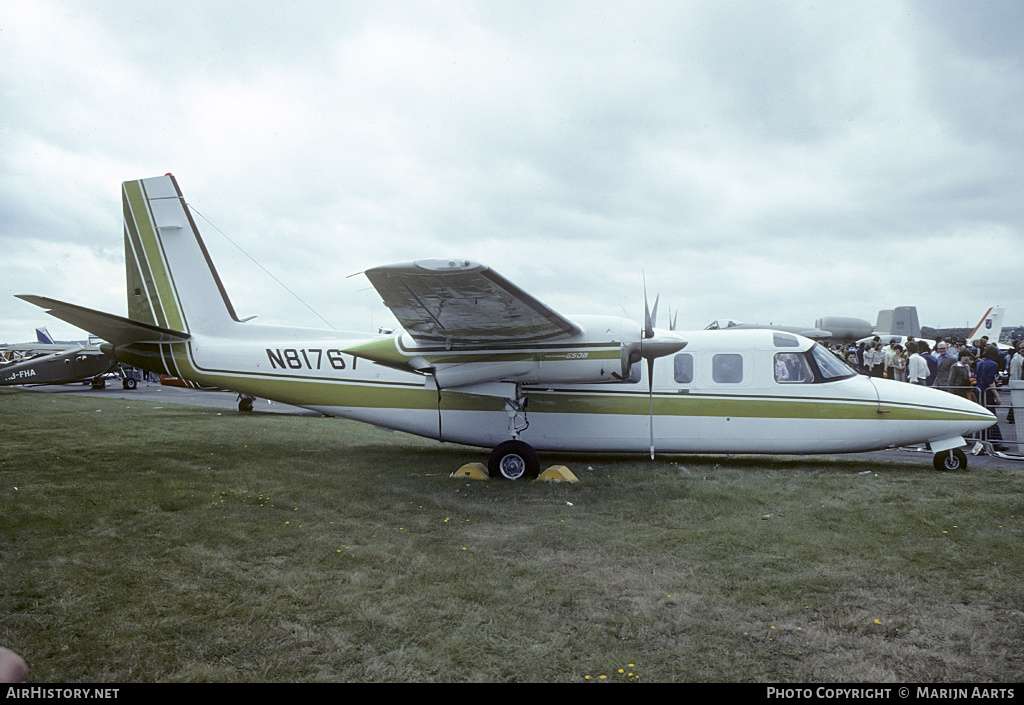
[759,160]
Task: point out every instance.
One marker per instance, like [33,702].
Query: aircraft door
[726,382]
[687,402]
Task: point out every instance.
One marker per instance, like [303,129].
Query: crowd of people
[971,369]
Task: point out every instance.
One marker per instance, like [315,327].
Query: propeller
[649,319]
[651,345]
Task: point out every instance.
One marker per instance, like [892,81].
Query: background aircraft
[50,362]
[904,318]
[900,321]
[44,343]
[837,329]
[990,326]
[60,367]
[483,363]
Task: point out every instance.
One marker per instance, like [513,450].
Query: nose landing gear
[952,459]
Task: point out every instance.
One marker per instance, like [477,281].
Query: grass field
[147,542]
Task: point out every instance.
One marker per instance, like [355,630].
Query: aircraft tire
[129,383]
[245,404]
[953,459]
[513,460]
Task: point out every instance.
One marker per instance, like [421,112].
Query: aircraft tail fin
[901,320]
[883,324]
[991,324]
[43,336]
[904,321]
[172,283]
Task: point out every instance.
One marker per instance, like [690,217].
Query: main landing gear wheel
[513,460]
[953,459]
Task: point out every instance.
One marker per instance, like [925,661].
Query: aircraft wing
[816,334]
[458,303]
[113,329]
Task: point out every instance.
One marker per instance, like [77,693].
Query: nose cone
[927,414]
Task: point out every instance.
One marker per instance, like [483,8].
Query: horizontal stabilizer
[114,329]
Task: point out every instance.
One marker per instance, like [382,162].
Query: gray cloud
[764,161]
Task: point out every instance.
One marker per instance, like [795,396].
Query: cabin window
[792,368]
[727,368]
[684,368]
[784,340]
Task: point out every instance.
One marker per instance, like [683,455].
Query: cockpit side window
[727,368]
[792,368]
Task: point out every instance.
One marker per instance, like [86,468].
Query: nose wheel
[513,460]
[952,459]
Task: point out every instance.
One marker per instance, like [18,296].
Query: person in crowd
[874,358]
[899,364]
[932,360]
[890,354]
[960,380]
[851,360]
[1016,376]
[986,373]
[1017,363]
[917,368]
[946,355]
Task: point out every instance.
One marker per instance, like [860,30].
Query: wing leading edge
[459,304]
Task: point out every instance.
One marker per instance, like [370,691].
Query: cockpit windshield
[815,366]
[830,366]
[722,324]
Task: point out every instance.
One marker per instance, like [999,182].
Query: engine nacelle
[844,329]
[581,367]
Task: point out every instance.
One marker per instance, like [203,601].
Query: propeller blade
[650,394]
[650,315]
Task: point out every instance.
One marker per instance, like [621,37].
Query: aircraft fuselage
[56,368]
[734,392]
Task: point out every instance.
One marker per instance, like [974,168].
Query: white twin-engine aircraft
[483,363]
